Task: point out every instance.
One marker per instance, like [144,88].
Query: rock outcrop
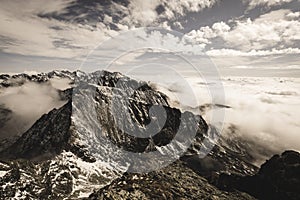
[176,181]
[278,178]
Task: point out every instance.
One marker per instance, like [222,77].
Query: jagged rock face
[173,182]
[122,106]
[64,176]
[48,136]
[278,178]
[58,141]
[19,79]
[282,175]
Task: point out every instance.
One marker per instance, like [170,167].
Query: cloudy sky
[255,36]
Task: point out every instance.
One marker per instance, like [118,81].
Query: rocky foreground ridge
[61,157]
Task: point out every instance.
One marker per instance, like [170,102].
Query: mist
[265,112]
[25,104]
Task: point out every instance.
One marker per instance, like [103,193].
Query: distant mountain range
[77,151]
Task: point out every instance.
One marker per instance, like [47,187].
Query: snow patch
[2,173]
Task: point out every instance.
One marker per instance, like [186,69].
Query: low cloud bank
[263,111]
[26,104]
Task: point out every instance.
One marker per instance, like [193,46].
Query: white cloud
[24,32]
[234,52]
[32,35]
[270,30]
[179,7]
[241,67]
[172,42]
[204,34]
[33,7]
[276,32]
[269,3]
[294,15]
[220,27]
[142,12]
[178,25]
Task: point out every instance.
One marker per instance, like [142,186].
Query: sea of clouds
[261,111]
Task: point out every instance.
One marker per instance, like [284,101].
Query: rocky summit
[99,145]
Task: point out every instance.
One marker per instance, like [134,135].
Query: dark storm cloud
[91,12]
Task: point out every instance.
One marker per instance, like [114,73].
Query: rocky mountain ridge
[65,155]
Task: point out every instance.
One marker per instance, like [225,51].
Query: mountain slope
[101,133]
[49,135]
[173,182]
